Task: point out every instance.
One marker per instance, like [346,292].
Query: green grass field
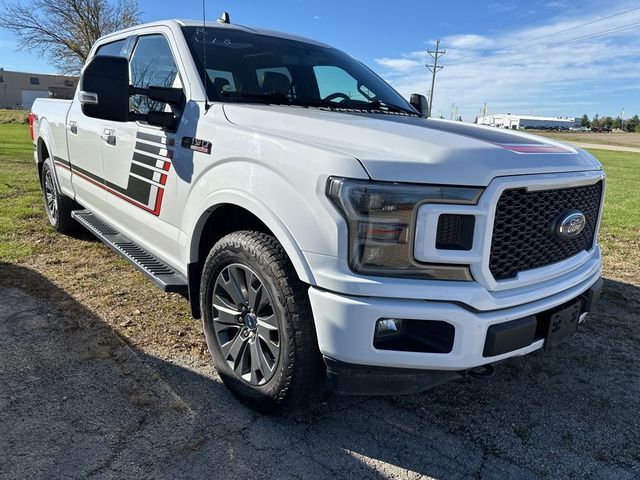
[23,224]
[22,218]
[622,208]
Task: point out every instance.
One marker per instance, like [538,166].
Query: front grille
[523,230]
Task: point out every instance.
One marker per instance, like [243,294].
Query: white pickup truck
[325,231]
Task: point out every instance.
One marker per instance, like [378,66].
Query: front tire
[258,323]
[57,205]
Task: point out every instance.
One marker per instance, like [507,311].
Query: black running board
[158,272]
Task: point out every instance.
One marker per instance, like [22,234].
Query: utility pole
[435,68]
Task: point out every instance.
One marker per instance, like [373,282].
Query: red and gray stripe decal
[150,165]
[533,148]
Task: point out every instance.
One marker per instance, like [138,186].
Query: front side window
[152,64]
[267,69]
[113,49]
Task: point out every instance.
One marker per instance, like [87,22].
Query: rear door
[137,157]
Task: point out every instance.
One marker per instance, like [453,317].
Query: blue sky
[517,56]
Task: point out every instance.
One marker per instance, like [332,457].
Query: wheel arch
[44,149]
[230,213]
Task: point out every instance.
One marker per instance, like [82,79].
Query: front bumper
[345,327]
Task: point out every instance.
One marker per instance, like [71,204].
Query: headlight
[381,218]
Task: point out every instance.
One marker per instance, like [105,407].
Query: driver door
[137,157]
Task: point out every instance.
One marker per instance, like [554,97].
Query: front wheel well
[223,220]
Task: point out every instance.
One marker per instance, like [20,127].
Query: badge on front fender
[196,144]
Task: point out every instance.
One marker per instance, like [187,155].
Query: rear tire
[258,323]
[57,205]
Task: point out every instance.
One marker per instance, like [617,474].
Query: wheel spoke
[239,276]
[226,314]
[255,364]
[243,360]
[233,288]
[255,297]
[233,349]
[269,321]
[274,349]
[259,364]
[265,366]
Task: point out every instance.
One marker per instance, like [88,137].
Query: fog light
[583,317]
[387,327]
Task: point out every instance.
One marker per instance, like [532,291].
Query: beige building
[18,90]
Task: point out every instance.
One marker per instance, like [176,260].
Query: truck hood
[412,149]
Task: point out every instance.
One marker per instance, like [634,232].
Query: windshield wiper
[278,98]
[270,97]
[386,106]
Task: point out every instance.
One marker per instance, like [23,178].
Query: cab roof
[215,24]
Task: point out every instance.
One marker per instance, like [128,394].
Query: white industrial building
[514,122]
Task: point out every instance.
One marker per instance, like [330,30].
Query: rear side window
[152,64]
[113,49]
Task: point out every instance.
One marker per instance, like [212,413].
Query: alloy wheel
[246,324]
[50,195]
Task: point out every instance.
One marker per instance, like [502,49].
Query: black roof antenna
[224,18]
[204,58]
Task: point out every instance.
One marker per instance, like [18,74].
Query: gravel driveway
[77,401]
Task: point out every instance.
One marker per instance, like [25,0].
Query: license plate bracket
[563,324]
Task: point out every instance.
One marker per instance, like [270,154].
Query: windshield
[252,68]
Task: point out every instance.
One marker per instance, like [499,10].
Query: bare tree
[64,30]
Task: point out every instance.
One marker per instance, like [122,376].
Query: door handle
[73,127]
[109,136]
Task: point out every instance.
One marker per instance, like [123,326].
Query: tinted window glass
[268,69]
[113,49]
[332,80]
[152,64]
[221,81]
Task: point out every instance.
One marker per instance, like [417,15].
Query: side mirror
[420,103]
[104,89]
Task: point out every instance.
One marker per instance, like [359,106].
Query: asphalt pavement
[77,401]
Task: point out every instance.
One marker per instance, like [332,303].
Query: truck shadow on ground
[76,400]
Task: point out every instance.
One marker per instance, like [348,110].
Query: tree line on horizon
[631,124]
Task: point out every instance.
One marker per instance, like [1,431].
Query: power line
[565,42]
[597,34]
[574,27]
[435,68]
[545,51]
[474,56]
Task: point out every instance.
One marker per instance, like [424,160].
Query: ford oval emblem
[570,224]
